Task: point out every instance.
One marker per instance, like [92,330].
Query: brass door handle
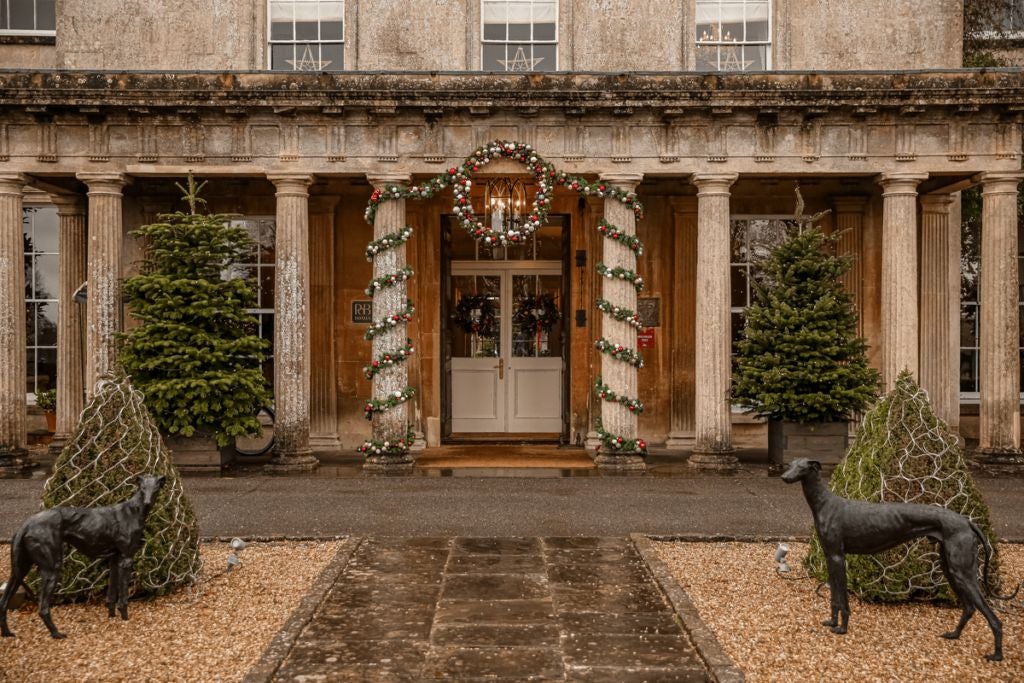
[501,368]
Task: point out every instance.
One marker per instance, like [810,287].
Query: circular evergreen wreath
[486,325]
[536,314]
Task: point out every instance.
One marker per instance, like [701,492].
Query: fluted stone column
[620,376]
[999,426]
[70,339]
[899,275]
[936,326]
[713,414]
[849,212]
[681,318]
[105,244]
[323,393]
[13,431]
[391,425]
[291,325]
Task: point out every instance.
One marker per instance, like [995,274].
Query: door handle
[501,368]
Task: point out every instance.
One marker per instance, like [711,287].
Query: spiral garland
[615,442]
[460,178]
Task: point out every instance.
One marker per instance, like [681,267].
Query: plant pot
[51,421]
[198,453]
[825,442]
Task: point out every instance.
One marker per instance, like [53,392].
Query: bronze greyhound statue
[862,528]
[114,532]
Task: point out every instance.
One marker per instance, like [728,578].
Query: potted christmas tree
[195,356]
[800,363]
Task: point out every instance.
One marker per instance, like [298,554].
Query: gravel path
[771,627]
[214,631]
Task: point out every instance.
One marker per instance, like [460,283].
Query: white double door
[507,331]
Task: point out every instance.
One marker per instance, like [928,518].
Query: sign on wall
[649,310]
[362,311]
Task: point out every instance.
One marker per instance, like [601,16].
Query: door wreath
[474,314]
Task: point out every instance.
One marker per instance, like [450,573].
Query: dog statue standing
[114,532]
[862,528]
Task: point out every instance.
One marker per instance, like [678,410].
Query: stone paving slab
[493,609]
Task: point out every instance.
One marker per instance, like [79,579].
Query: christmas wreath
[536,314]
[474,314]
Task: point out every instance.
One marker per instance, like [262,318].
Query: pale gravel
[214,631]
[771,627]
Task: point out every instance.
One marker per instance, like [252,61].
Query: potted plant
[47,401]
[800,363]
[195,355]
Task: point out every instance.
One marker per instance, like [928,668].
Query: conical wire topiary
[904,453]
[115,441]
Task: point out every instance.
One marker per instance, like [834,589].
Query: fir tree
[195,356]
[115,441]
[800,359]
[903,453]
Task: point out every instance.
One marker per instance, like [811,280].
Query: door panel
[477,376]
[536,395]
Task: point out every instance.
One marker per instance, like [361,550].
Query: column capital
[936,203]
[625,181]
[291,183]
[382,178]
[713,183]
[999,181]
[68,204]
[12,183]
[900,183]
[103,182]
[850,204]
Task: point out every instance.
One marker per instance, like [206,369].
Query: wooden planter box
[196,453]
[825,442]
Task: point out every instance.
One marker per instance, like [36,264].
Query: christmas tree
[800,359]
[904,453]
[195,356]
[115,441]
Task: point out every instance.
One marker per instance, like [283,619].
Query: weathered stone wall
[416,34]
[160,34]
[623,35]
[28,56]
[868,34]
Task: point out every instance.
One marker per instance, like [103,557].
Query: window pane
[46,369]
[281,30]
[968,326]
[23,14]
[31,316]
[544,31]
[280,56]
[738,279]
[46,323]
[545,57]
[266,287]
[5,21]
[332,30]
[757,30]
[47,276]
[332,11]
[46,15]
[707,58]
[519,31]
[30,369]
[493,58]
[494,31]
[968,371]
[306,30]
[45,230]
[332,56]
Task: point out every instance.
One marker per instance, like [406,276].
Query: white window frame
[26,31]
[33,299]
[260,311]
[271,42]
[506,41]
[769,43]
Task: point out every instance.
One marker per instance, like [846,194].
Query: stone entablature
[942,122]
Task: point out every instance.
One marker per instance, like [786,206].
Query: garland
[388,280]
[623,315]
[620,352]
[385,324]
[633,405]
[388,359]
[631,242]
[380,405]
[400,447]
[618,443]
[620,273]
[388,242]
[536,314]
[485,324]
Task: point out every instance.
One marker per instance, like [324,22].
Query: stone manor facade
[709,111]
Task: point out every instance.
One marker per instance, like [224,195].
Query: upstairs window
[519,35]
[30,17]
[733,35]
[1011,16]
[307,35]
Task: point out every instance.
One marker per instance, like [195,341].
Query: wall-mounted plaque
[362,311]
[649,310]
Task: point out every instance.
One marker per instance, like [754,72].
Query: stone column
[899,275]
[936,293]
[70,321]
[103,303]
[13,430]
[681,317]
[620,376]
[391,425]
[292,452]
[999,424]
[713,419]
[849,213]
[322,391]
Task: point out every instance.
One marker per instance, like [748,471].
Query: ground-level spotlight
[237,546]
[780,557]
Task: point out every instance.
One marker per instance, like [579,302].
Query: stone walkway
[495,609]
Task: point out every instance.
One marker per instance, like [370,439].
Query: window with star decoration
[307,35]
[733,35]
[519,35]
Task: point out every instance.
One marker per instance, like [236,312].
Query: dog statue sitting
[862,528]
[114,532]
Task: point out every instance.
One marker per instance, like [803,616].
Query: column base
[713,460]
[389,464]
[620,462]
[592,442]
[287,463]
[999,457]
[14,463]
